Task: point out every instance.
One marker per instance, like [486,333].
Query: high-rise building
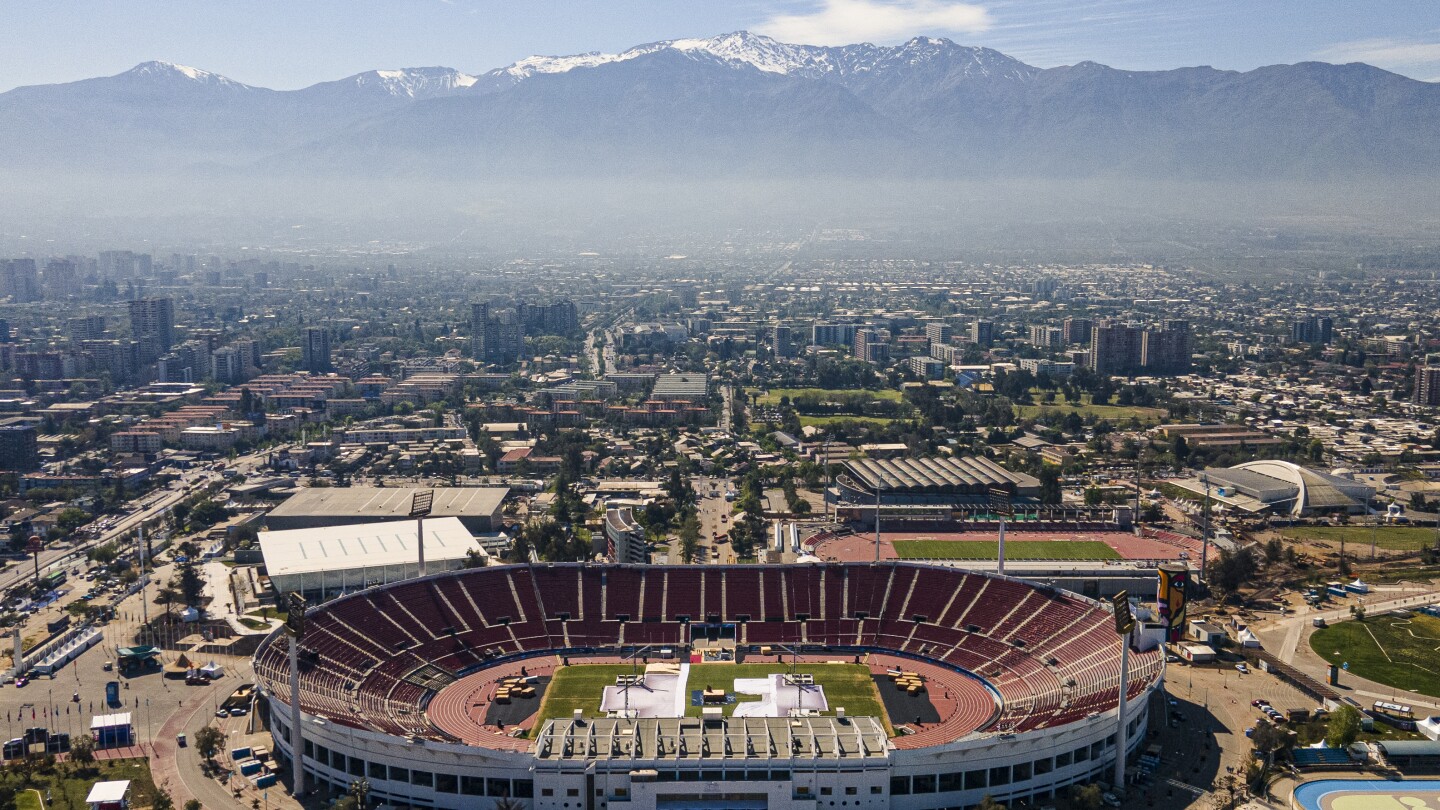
[833,334]
[315,350]
[1312,329]
[19,450]
[89,327]
[479,318]
[982,333]
[62,278]
[1115,347]
[939,333]
[4,330]
[1077,330]
[870,346]
[152,323]
[781,343]
[1167,350]
[21,281]
[1427,382]
[556,318]
[504,337]
[1046,337]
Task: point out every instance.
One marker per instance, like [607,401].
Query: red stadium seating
[1052,657]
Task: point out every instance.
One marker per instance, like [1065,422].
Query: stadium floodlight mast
[877,518]
[1001,506]
[1205,528]
[295,606]
[1124,624]
[420,504]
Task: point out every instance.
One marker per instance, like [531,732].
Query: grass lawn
[1403,653]
[1394,538]
[772,397]
[821,421]
[1114,413]
[580,687]
[1014,550]
[71,791]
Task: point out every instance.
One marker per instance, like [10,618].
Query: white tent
[212,671]
[1430,727]
[1248,639]
[190,614]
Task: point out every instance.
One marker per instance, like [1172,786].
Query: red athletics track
[963,703]
[1155,545]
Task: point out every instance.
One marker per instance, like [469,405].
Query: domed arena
[825,685]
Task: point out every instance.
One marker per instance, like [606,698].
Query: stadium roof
[936,473]
[1283,487]
[363,545]
[670,738]
[692,385]
[388,503]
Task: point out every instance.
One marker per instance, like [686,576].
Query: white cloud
[1398,54]
[842,22]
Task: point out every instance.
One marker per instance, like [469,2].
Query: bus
[53,580]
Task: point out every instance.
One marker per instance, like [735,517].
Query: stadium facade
[372,662]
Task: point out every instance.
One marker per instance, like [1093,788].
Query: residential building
[152,324]
[1115,347]
[315,351]
[982,333]
[19,451]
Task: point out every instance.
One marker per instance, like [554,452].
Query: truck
[112,693]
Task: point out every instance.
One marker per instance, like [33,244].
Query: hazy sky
[294,43]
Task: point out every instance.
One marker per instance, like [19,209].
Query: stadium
[757,686]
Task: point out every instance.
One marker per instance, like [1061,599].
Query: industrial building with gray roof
[478,508]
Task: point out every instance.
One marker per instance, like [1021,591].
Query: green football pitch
[581,687]
[1399,652]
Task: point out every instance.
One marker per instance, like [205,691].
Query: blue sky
[293,43]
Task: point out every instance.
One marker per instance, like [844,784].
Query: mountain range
[741,103]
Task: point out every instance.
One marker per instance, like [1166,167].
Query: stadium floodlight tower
[420,505]
[295,625]
[1205,529]
[1001,506]
[1124,624]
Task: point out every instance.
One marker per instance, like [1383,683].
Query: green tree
[1343,726]
[690,539]
[162,800]
[1094,496]
[71,518]
[1050,491]
[82,749]
[208,742]
[1232,570]
[193,804]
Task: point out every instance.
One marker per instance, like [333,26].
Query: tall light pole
[1124,623]
[1205,527]
[420,504]
[295,625]
[877,520]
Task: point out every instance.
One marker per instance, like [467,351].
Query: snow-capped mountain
[412,83]
[171,72]
[744,49]
[741,102]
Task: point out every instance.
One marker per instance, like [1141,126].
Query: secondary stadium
[756,686]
